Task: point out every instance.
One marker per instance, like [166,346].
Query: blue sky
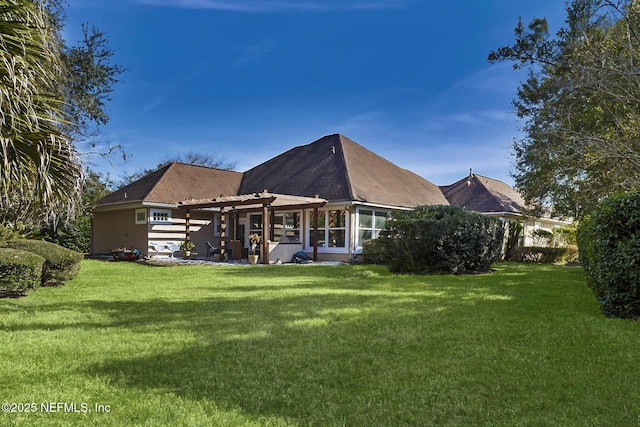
[249,79]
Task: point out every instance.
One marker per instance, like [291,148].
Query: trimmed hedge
[609,242]
[440,239]
[19,271]
[544,254]
[61,264]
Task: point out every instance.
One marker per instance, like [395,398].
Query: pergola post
[187,223]
[315,234]
[264,251]
[223,228]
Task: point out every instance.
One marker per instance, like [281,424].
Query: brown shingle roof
[482,194]
[338,169]
[176,182]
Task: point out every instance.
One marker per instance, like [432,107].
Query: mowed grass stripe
[319,345]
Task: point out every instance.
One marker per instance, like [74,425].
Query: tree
[41,173]
[51,96]
[76,233]
[580,105]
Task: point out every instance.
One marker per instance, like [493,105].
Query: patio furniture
[173,248]
[157,248]
[211,250]
[235,252]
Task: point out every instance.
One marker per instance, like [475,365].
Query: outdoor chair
[173,248]
[157,248]
[235,253]
[211,250]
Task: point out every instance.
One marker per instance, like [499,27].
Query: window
[286,226]
[160,216]
[216,225]
[255,224]
[332,229]
[370,223]
[141,216]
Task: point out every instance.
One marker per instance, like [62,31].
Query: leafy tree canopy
[580,105]
[51,96]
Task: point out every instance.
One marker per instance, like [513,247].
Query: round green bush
[441,239]
[19,271]
[609,243]
[61,264]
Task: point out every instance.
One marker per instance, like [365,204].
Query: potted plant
[254,241]
[186,247]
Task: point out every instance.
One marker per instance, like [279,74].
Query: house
[495,198]
[324,198]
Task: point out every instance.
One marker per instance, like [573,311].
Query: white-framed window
[286,226]
[216,224]
[332,228]
[370,223]
[160,216]
[141,216]
[255,224]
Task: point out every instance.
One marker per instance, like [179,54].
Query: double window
[370,223]
[286,226]
[331,231]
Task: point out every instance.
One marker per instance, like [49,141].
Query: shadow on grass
[335,346]
[327,359]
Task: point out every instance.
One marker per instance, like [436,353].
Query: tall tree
[52,94]
[41,172]
[580,105]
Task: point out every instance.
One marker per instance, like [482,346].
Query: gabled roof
[482,194]
[338,169]
[176,182]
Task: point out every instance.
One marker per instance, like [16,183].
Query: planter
[253,259]
[125,254]
[186,254]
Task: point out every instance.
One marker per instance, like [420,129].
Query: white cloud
[156,101]
[266,6]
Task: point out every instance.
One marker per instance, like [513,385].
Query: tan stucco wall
[117,229]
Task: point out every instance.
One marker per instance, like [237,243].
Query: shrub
[542,237]
[61,264]
[446,239]
[19,271]
[609,242]
[565,236]
[373,252]
[545,255]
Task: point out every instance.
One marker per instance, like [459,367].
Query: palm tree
[40,171]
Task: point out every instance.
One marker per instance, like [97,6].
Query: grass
[318,345]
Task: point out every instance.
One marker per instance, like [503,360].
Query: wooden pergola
[264,202]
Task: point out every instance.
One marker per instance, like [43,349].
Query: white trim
[381,206]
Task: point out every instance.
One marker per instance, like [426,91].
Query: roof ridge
[346,166]
[157,181]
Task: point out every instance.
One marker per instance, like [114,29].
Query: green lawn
[318,345]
